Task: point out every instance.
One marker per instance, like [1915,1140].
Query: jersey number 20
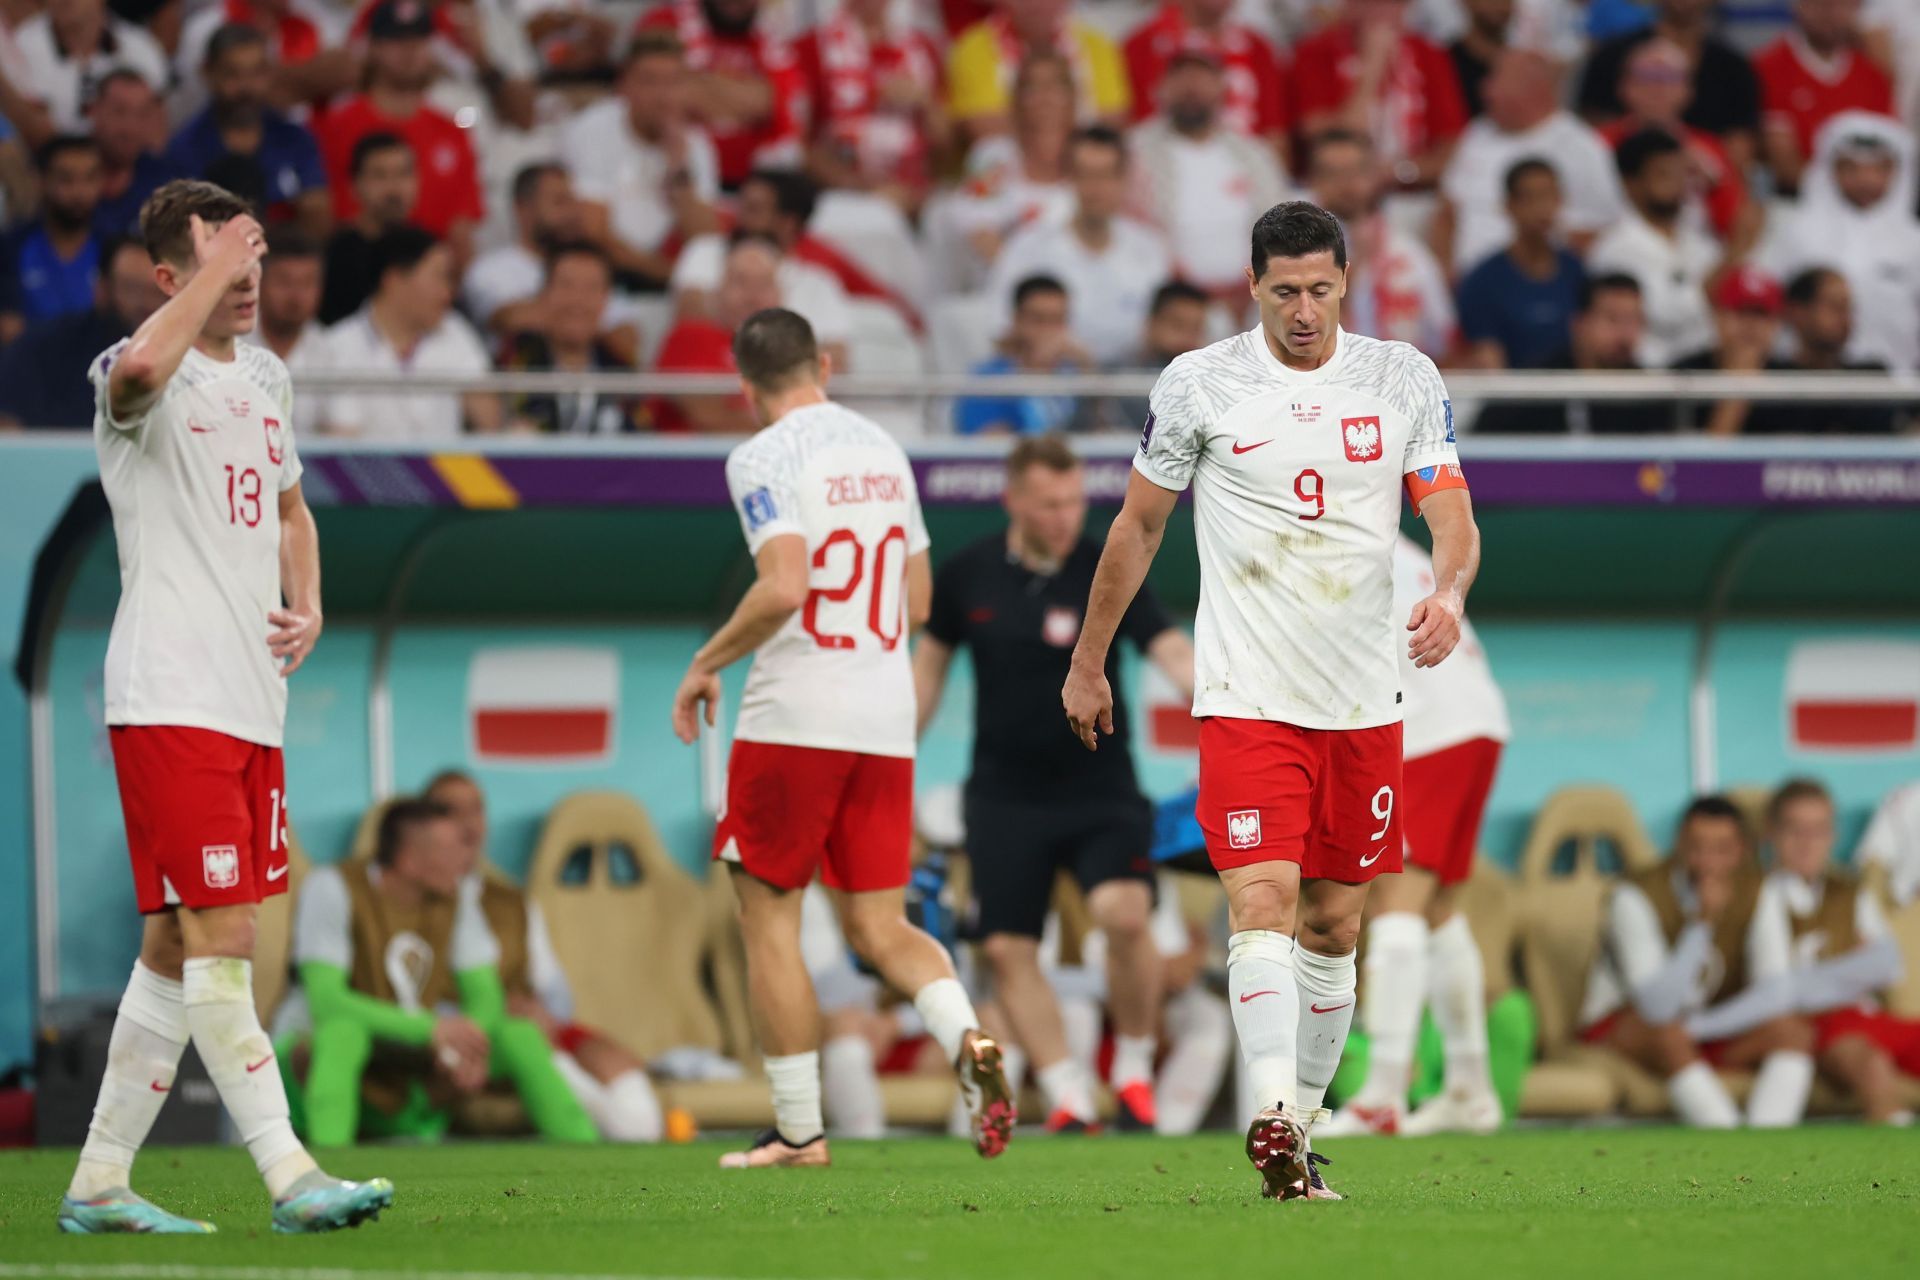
[857,574]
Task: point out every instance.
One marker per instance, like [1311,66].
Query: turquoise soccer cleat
[123,1212]
[320,1203]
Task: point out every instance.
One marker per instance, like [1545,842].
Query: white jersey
[1456,701]
[1297,479]
[195,485]
[836,675]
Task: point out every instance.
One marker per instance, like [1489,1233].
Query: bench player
[194,431]
[1297,438]
[821,775]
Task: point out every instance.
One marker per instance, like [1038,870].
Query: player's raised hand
[232,250]
[293,638]
[1088,701]
[696,688]
[1436,629]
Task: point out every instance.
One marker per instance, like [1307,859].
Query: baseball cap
[1748,289]
[400,20]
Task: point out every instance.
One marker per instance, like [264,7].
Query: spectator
[1524,119]
[1109,264]
[123,118]
[745,85]
[570,38]
[69,49]
[1038,341]
[305,68]
[1607,331]
[646,175]
[1206,183]
[1176,325]
[42,382]
[1655,245]
[1725,97]
[1254,101]
[1395,289]
[49,266]
[1478,46]
[749,283]
[1746,324]
[502,287]
[239,128]
[778,205]
[876,103]
[291,278]
[572,301]
[408,326]
[1810,75]
[386,187]
[1820,327]
[1367,73]
[1892,39]
[984,59]
[1517,306]
[1856,215]
[1656,87]
[400,67]
[1013,180]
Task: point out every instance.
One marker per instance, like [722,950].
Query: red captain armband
[1431,480]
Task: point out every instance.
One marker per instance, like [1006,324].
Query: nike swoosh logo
[277,872]
[1332,1008]
[1373,857]
[255,1066]
[157,1087]
[1255,995]
[1249,448]
[197,429]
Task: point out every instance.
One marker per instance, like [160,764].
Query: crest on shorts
[220,866]
[276,447]
[1361,437]
[1060,627]
[1243,829]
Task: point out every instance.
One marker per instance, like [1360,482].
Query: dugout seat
[273,936]
[1752,800]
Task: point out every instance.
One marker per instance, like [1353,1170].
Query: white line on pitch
[177,1271]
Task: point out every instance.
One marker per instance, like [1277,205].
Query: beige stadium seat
[1490,902]
[1752,800]
[273,936]
[1904,997]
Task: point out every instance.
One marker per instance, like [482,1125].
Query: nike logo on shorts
[281,870]
[1373,857]
[1251,447]
[1255,995]
[1332,1008]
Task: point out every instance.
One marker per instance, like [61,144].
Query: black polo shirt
[1726,92]
[1022,628]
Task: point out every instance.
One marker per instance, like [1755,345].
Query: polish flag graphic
[1853,695]
[543,705]
[1170,724]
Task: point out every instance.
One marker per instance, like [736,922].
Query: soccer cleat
[121,1211]
[318,1203]
[1277,1145]
[1317,1188]
[1358,1120]
[1477,1112]
[1136,1111]
[771,1151]
[991,1110]
[1064,1123]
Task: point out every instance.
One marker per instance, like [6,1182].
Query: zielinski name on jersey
[841,491]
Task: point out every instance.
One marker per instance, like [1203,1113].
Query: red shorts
[1598,1033]
[1327,799]
[794,811]
[1446,793]
[1900,1037]
[205,813]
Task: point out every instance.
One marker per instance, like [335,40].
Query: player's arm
[297,627]
[1874,965]
[1659,980]
[1435,622]
[779,589]
[150,358]
[1769,990]
[932,659]
[1132,543]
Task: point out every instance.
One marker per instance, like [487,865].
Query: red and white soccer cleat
[1136,1110]
[1317,1188]
[1063,1123]
[1475,1112]
[1359,1120]
[771,1151]
[983,1083]
[1277,1145]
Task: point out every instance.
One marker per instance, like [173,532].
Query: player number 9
[1383,810]
[1316,495]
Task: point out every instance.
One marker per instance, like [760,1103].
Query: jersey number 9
[1316,494]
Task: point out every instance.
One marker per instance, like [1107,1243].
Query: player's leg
[786,1019]
[1392,998]
[1199,1046]
[1783,1050]
[337,1052]
[1327,978]
[850,1070]
[624,1106]
[523,1055]
[1669,1052]
[1112,866]
[1862,1066]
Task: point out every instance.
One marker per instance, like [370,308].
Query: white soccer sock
[1326,986]
[218,993]
[1266,1012]
[1459,984]
[1397,959]
[796,1096]
[1780,1088]
[1700,1099]
[852,1086]
[1132,1060]
[1200,1041]
[1067,1088]
[945,1007]
[625,1109]
[149,1036]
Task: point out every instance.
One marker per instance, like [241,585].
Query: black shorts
[1016,847]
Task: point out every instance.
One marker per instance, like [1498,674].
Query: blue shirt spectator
[120,215]
[47,267]
[1020,415]
[1037,342]
[43,379]
[122,116]
[1516,307]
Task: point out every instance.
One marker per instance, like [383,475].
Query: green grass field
[1822,1202]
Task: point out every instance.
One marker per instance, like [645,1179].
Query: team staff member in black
[1036,800]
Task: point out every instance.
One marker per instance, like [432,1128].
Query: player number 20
[1308,486]
[876,593]
[1382,811]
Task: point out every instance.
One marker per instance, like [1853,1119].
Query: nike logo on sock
[255,1066]
[1255,995]
[1332,1008]
[157,1087]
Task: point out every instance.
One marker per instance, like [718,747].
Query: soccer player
[1419,949]
[219,604]
[1297,438]
[821,775]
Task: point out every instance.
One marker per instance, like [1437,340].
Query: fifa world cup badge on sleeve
[1448,406]
[759,508]
[1146,432]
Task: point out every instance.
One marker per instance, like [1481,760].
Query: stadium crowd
[1015,185]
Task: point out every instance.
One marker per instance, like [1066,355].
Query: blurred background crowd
[994,186]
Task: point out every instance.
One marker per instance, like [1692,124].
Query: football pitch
[1828,1201]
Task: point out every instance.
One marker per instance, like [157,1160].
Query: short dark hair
[401,820]
[401,249]
[775,348]
[1794,790]
[287,242]
[794,193]
[370,146]
[1050,451]
[1036,284]
[230,36]
[1805,287]
[653,42]
[1188,56]
[112,246]
[1521,170]
[60,144]
[577,249]
[1340,138]
[528,179]
[1637,150]
[1715,808]
[739,236]
[1606,282]
[166,219]
[1176,291]
[1294,229]
[119,75]
[1098,135]
[446,777]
